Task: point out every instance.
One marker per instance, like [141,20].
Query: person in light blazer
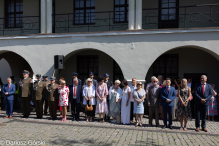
[101,94]
[203,93]
[168,94]
[115,93]
[8,92]
[74,98]
[89,96]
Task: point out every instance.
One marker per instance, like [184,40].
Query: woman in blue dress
[139,96]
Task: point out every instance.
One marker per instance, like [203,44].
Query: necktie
[75,91]
[160,83]
[203,88]
[8,86]
[168,89]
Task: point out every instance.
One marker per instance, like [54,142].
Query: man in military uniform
[52,97]
[39,93]
[109,84]
[45,102]
[26,89]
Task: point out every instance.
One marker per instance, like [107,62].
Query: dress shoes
[165,126]
[197,129]
[204,129]
[6,117]
[10,117]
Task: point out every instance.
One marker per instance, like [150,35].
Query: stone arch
[17,63]
[198,60]
[91,51]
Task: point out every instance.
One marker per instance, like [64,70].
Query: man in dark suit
[168,94]
[74,99]
[16,103]
[203,93]
[109,84]
[75,75]
[8,92]
[91,75]
[154,101]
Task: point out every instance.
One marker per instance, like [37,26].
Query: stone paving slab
[51,134]
[213,127]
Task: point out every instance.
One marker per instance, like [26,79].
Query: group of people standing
[165,95]
[107,99]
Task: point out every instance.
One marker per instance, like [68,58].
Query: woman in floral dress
[63,98]
[212,106]
[101,93]
[184,111]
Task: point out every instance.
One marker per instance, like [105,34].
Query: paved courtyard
[33,131]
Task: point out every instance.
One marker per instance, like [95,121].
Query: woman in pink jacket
[101,94]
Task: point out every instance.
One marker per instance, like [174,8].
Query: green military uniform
[52,97]
[26,89]
[39,94]
[44,99]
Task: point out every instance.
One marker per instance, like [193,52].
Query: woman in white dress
[125,104]
[89,96]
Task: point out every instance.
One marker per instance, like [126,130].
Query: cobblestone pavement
[95,133]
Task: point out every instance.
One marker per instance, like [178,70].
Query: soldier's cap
[45,76]
[106,75]
[26,72]
[74,74]
[91,74]
[38,75]
[52,78]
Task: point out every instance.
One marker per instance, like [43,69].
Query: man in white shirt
[160,78]
[133,87]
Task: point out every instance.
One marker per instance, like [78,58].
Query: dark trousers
[39,108]
[9,107]
[200,110]
[131,111]
[45,102]
[154,111]
[75,109]
[169,110]
[52,109]
[94,110]
[25,104]
[16,103]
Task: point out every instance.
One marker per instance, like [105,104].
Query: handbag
[88,108]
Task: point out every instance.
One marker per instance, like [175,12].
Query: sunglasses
[154,81]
